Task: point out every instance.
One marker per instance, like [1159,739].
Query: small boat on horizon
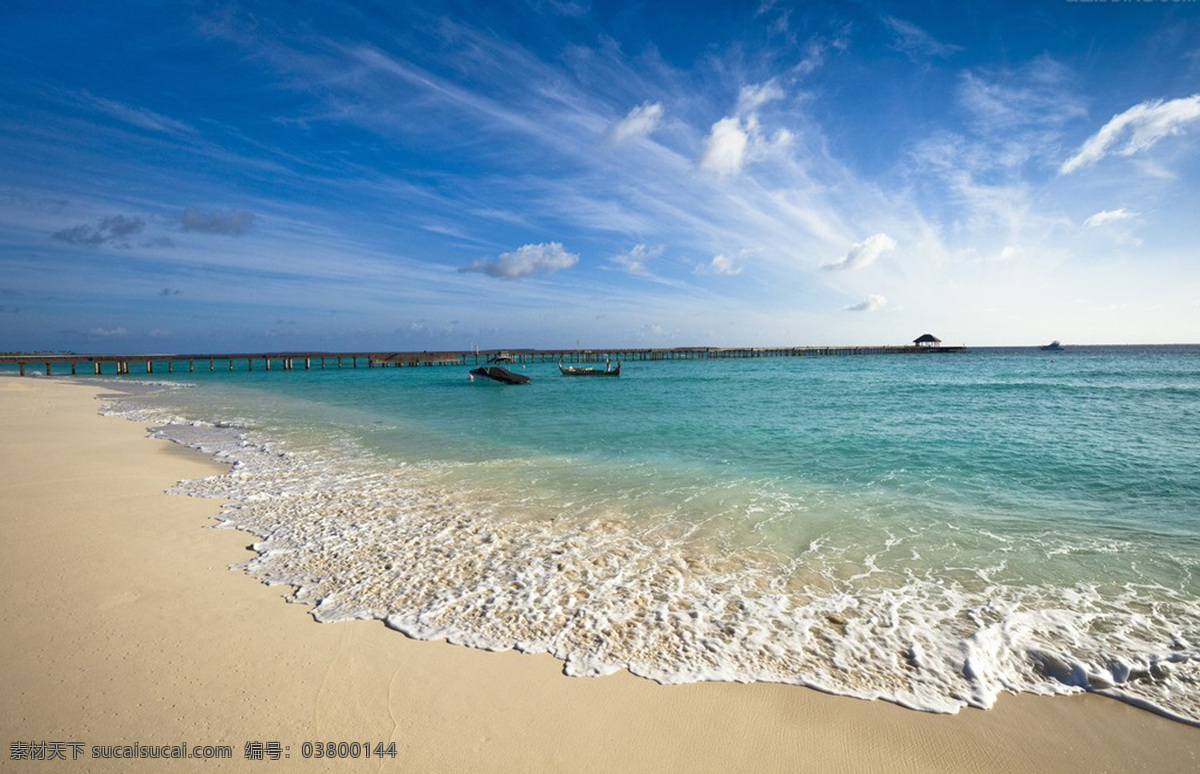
[608,370]
[1053,346]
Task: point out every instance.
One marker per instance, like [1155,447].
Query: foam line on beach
[360,539]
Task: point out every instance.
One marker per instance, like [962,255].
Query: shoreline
[132,628]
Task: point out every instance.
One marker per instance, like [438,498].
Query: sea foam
[359,537]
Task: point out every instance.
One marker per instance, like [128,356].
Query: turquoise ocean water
[930,530]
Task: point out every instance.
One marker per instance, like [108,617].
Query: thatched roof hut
[928,340]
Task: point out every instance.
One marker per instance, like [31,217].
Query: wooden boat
[608,370]
[496,373]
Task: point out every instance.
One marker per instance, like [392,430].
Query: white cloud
[914,41]
[640,121]
[862,254]
[720,264]
[814,57]
[635,260]
[1135,130]
[1015,115]
[737,138]
[1036,97]
[526,260]
[760,147]
[752,97]
[107,332]
[1100,218]
[733,142]
[569,8]
[140,117]
[871,303]
[725,149]
[1009,252]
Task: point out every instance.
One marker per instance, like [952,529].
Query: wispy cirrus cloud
[142,118]
[230,222]
[638,256]
[1107,216]
[639,122]
[862,254]
[107,333]
[754,96]
[1135,130]
[1018,114]
[915,42]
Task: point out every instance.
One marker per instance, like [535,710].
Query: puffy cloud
[232,222]
[720,264]
[635,260]
[1135,130]
[108,332]
[871,303]
[112,230]
[640,121]
[738,138]
[725,148]
[526,260]
[862,254]
[1100,218]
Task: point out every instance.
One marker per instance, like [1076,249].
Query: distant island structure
[927,340]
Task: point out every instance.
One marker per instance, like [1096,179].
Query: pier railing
[290,361]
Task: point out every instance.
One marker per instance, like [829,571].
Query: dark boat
[1054,346]
[608,370]
[500,375]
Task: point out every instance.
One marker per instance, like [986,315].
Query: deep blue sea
[932,530]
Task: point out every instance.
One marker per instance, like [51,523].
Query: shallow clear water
[932,530]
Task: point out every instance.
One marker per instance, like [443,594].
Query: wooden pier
[148,364]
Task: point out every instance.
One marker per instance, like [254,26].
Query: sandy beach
[125,625]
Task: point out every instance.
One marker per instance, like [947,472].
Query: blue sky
[269,175]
